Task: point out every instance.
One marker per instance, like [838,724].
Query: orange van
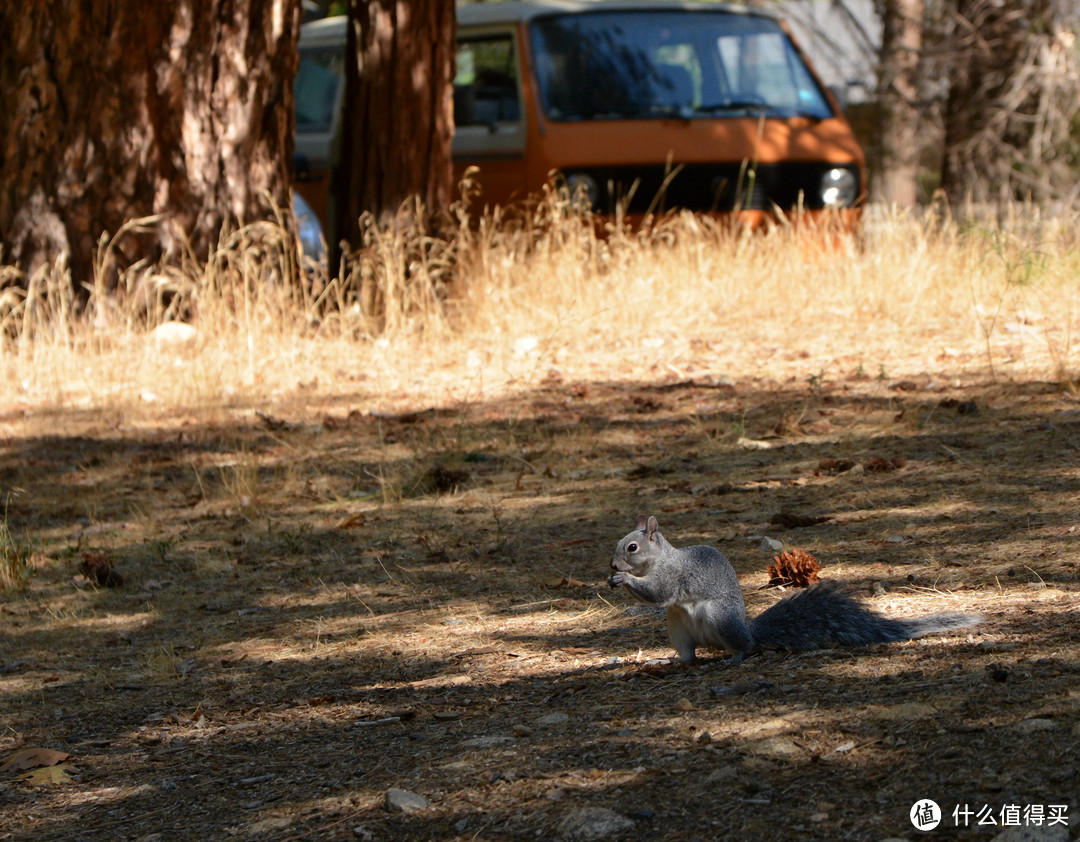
[639,105]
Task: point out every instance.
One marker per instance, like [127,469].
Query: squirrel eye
[631,547]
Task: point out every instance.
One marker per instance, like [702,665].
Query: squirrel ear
[641,521]
[652,527]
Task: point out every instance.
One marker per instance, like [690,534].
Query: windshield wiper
[733,105]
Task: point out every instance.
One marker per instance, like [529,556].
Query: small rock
[403,801]
[770,545]
[684,705]
[722,775]
[643,814]
[740,689]
[268,826]
[174,333]
[520,730]
[551,719]
[896,538]
[776,747]
[363,833]
[593,823]
[487,742]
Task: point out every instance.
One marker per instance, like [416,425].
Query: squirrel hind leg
[680,633]
[721,630]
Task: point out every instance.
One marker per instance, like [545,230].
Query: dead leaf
[48,775]
[272,423]
[31,758]
[881,465]
[352,521]
[98,568]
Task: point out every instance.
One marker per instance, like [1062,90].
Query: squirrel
[700,590]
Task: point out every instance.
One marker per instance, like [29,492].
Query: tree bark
[1012,105]
[398,112]
[113,110]
[898,97]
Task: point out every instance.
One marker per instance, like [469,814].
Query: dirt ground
[322,603]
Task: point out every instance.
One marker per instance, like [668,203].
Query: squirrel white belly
[705,608]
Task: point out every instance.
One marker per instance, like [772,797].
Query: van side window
[486,84]
[315,90]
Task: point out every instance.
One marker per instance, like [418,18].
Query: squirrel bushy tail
[824,615]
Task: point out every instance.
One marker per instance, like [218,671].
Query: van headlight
[583,188]
[839,188]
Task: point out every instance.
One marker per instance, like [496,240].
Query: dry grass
[14,559]
[500,304]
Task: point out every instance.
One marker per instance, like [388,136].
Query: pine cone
[795,567]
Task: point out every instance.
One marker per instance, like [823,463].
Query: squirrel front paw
[616,579]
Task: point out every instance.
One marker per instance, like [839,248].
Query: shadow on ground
[322,606]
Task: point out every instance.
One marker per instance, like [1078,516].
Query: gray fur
[700,590]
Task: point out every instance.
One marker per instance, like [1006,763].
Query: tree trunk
[898,96]
[112,110]
[398,112]
[1012,104]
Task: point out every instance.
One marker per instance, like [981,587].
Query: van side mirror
[843,90]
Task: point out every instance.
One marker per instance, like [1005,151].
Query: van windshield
[619,65]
